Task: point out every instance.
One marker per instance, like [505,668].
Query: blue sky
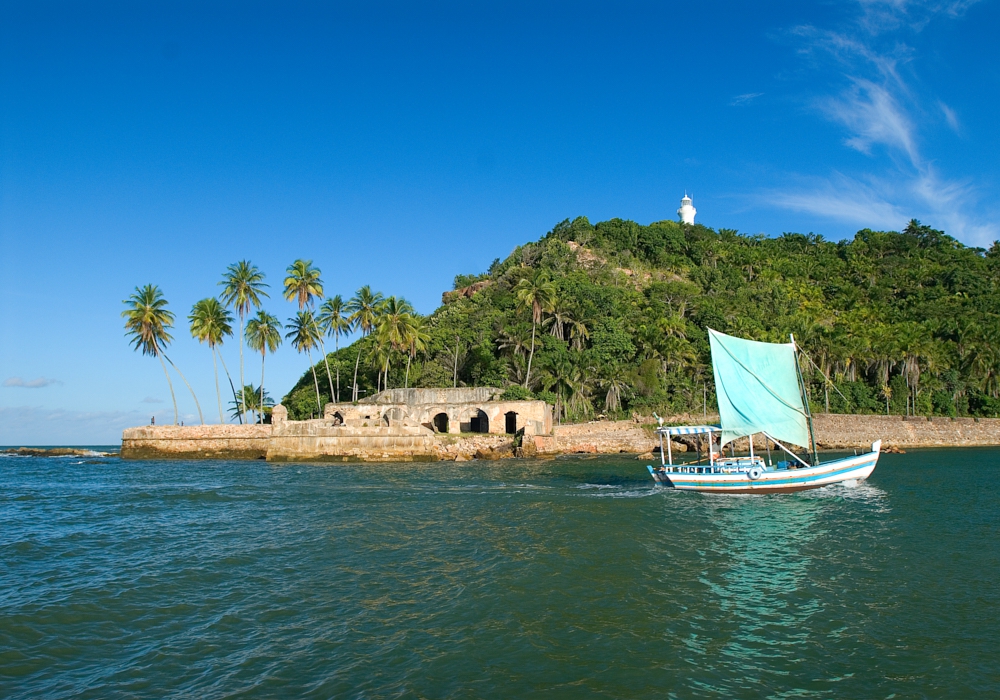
[397,145]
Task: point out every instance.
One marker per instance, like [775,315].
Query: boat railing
[725,465]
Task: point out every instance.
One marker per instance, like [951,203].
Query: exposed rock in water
[54,452]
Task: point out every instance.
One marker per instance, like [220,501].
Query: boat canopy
[689,429]
[757,385]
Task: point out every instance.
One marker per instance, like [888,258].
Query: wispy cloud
[741,100]
[882,16]
[844,199]
[873,116]
[950,117]
[150,399]
[32,384]
[884,115]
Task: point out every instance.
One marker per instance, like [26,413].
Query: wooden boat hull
[856,468]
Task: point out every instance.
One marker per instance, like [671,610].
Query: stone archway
[440,422]
[479,422]
[510,419]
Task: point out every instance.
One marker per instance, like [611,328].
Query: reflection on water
[571,578]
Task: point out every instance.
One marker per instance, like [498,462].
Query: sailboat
[761,394]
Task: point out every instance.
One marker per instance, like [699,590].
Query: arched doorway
[441,422]
[479,423]
[511,420]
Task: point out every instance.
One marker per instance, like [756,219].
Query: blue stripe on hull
[765,484]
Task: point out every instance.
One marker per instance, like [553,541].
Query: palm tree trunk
[329,375]
[170,384]
[262,354]
[354,396]
[386,373]
[218,394]
[242,404]
[336,350]
[527,376]
[200,417]
[236,401]
[316,382]
[406,382]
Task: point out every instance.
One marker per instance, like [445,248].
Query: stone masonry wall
[196,442]
[300,443]
[835,431]
[597,437]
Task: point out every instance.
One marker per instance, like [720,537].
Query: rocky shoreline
[54,452]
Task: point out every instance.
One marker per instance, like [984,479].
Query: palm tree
[304,285]
[561,374]
[578,334]
[252,399]
[211,322]
[379,355]
[304,337]
[538,294]
[147,323]
[243,286]
[418,338]
[617,387]
[264,335]
[393,326]
[363,310]
[333,321]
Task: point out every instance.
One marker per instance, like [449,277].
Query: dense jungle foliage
[890,322]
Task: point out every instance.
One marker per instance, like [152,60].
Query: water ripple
[570,577]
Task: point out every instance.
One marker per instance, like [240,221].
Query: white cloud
[878,108]
[843,199]
[32,384]
[874,116]
[882,16]
[741,100]
[950,117]
[150,399]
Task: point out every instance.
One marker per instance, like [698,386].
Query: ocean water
[567,578]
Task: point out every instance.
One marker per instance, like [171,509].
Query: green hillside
[897,322]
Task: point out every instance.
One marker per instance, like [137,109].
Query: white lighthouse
[686,212]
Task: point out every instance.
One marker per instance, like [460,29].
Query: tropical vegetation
[611,318]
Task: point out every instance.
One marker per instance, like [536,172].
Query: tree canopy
[897,322]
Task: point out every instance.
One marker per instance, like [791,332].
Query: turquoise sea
[567,578]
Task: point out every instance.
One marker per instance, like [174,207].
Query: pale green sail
[758,389]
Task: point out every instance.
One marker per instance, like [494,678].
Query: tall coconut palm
[363,310]
[393,326]
[303,285]
[333,320]
[304,336]
[147,321]
[211,322]
[537,294]
[264,336]
[418,338]
[250,399]
[243,286]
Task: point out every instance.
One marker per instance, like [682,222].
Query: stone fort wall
[302,441]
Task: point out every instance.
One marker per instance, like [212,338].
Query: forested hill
[897,322]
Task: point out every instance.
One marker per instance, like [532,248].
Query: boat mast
[805,402]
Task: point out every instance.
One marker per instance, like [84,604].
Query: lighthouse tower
[686,212]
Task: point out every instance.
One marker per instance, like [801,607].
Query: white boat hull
[688,478]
